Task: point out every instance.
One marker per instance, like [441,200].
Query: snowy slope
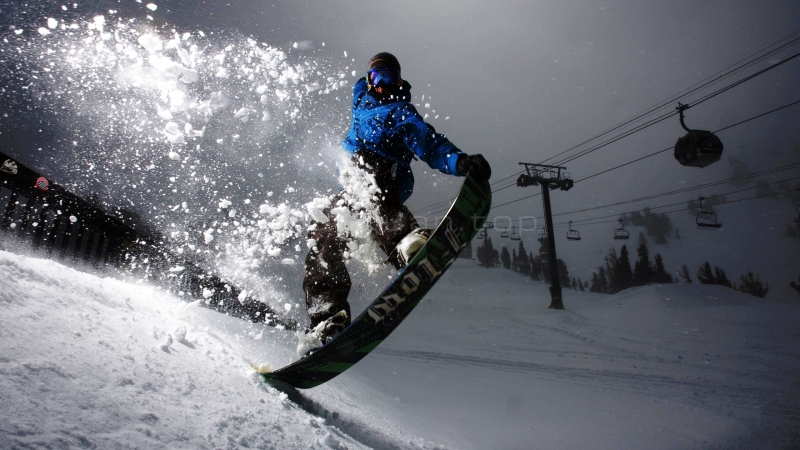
[97,363]
[482,363]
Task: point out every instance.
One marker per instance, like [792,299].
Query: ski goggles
[386,77]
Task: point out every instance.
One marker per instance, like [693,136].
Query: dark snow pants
[327,283]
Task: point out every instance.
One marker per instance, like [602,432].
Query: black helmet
[384,60]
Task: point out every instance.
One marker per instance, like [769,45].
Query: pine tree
[642,269]
[705,275]
[536,267]
[618,268]
[684,273]
[580,285]
[661,275]
[599,281]
[624,271]
[574,284]
[505,257]
[524,263]
[514,261]
[721,278]
[752,284]
[595,287]
[563,273]
[486,253]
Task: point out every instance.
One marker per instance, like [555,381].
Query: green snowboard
[457,229]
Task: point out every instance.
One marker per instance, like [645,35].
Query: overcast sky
[524,80]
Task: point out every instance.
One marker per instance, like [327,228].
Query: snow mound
[98,363]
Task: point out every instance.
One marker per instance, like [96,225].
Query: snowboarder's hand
[476,163]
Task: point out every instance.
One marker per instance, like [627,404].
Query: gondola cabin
[698,148]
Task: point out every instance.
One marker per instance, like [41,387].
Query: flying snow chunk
[152,6]
[43,31]
[150,42]
[287,262]
[73,219]
[222,73]
[174,133]
[191,132]
[218,100]
[52,23]
[174,156]
[224,204]
[165,114]
[287,307]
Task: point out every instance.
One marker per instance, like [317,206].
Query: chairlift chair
[621,232]
[573,235]
[706,219]
[482,234]
[504,234]
[698,148]
[542,237]
[514,235]
[488,225]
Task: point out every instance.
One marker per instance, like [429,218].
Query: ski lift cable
[703,83]
[682,202]
[647,156]
[642,158]
[651,123]
[635,160]
[616,138]
[666,149]
[684,190]
[562,225]
[756,117]
[692,88]
[666,116]
[691,188]
[670,148]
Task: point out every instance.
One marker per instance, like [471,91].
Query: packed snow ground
[482,363]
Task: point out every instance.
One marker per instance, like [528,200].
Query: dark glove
[476,163]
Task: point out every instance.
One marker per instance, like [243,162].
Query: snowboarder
[386,132]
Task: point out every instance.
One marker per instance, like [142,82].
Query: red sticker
[42,184]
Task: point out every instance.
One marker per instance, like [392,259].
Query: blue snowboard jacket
[397,132]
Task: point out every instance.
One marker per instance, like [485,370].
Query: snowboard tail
[459,226]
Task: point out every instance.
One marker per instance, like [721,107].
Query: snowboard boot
[313,339]
[410,245]
[331,327]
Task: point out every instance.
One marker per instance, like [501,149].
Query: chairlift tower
[549,178]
